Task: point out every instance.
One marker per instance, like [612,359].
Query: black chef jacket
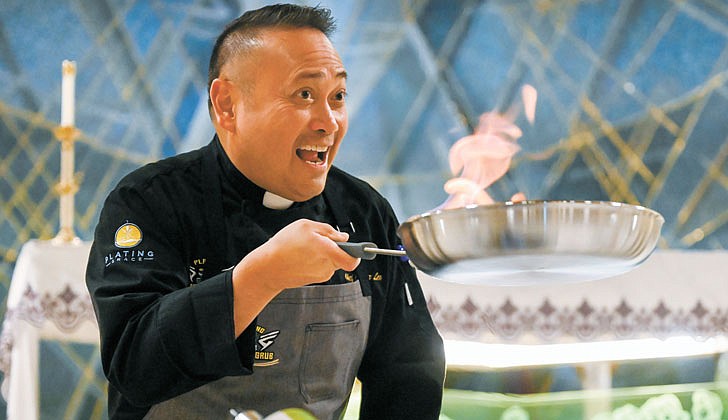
[159,278]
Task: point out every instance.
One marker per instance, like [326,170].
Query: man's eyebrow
[320,74]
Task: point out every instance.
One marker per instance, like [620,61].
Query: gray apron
[310,341]
[309,344]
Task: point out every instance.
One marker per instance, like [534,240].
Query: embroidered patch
[375,277]
[128,235]
[265,339]
[197,270]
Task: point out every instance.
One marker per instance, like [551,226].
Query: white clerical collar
[275,202]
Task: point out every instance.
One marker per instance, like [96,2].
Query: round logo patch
[128,236]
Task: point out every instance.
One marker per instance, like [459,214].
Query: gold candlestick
[67,186]
[66,133]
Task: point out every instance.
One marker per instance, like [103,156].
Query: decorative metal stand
[67,186]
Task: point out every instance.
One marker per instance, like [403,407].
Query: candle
[67,159]
[66,213]
[66,133]
[68,87]
[67,188]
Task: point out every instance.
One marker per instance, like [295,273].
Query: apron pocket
[329,351]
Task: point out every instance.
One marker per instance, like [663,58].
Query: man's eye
[340,96]
[305,94]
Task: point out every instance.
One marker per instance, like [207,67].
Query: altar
[47,300]
[673,297]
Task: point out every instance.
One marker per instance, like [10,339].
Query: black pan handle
[359,249]
[368,250]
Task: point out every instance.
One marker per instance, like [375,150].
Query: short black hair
[243,31]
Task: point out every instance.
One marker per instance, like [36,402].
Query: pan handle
[368,250]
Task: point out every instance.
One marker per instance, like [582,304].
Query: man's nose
[324,119]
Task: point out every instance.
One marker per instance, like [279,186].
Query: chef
[215,274]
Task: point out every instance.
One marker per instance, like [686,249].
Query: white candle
[66,212]
[67,186]
[68,88]
[67,159]
[66,132]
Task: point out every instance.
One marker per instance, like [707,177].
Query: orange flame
[480,159]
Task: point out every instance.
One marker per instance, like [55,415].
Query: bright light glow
[473,355]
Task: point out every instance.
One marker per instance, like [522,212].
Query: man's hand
[302,253]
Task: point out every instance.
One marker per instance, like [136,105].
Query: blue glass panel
[40,54]
[437,19]
[591,20]
[168,147]
[380,118]
[381,11]
[642,23]
[426,148]
[186,109]
[483,59]
[168,76]
[572,63]
[685,56]
[579,183]
[142,25]
[199,50]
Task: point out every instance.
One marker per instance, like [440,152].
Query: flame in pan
[480,159]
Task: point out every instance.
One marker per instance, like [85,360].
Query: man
[215,274]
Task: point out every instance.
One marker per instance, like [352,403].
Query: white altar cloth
[673,293]
[47,299]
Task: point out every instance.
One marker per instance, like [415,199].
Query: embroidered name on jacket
[265,339]
[134,255]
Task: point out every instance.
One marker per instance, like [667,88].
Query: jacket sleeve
[160,337]
[403,371]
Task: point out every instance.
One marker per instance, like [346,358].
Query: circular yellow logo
[128,236]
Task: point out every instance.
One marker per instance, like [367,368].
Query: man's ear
[222,96]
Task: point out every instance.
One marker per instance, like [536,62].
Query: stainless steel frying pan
[527,242]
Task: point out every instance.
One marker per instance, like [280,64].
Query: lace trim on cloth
[66,310]
[585,322]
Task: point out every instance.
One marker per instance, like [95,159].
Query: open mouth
[315,155]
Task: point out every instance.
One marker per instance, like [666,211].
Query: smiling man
[243,299]
[281,111]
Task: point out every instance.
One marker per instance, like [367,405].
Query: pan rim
[536,203]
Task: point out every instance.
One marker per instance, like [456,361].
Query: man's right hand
[302,253]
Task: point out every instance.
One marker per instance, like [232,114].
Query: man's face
[292,115]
